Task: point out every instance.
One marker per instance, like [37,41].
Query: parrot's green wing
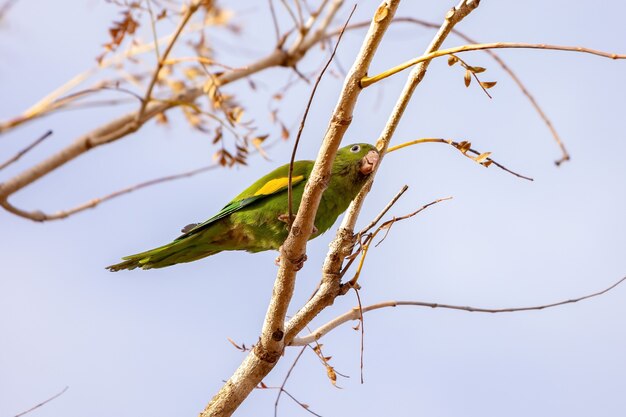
[273,183]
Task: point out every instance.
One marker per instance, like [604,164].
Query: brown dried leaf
[218,135]
[161,118]
[332,375]
[235,114]
[488,84]
[452,60]
[487,163]
[482,157]
[162,14]
[467,78]
[126,26]
[477,70]
[284,133]
[193,72]
[464,146]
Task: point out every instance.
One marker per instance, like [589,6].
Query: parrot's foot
[285,217]
[297,263]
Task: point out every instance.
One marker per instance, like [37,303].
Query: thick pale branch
[355,313]
[274,336]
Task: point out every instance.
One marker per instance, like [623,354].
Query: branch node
[264,354]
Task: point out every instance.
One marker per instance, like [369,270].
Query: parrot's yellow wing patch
[276,184]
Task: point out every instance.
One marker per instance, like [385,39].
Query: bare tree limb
[354,314]
[274,335]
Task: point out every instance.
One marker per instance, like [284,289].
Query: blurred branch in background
[5,7]
[182,93]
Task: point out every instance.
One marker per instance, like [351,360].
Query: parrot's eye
[355,149]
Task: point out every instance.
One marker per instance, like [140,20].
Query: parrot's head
[361,157]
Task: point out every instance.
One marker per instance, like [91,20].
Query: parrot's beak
[369,162]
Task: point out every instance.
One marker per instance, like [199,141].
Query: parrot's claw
[284,217]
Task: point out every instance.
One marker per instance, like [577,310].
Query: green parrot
[255,220]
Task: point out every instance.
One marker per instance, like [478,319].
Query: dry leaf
[477,70]
[468,78]
[464,146]
[332,375]
[284,133]
[488,84]
[482,157]
[452,60]
[161,118]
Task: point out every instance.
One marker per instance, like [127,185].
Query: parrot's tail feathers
[161,257]
[130,265]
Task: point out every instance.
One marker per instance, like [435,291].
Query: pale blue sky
[155,342]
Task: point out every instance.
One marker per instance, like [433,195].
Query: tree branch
[367,81]
[274,336]
[354,313]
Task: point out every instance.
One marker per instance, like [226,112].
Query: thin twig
[291,13]
[370,238]
[367,81]
[300,403]
[21,153]
[384,211]
[458,146]
[191,9]
[282,386]
[155,37]
[274,20]
[303,121]
[360,306]
[55,396]
[354,313]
